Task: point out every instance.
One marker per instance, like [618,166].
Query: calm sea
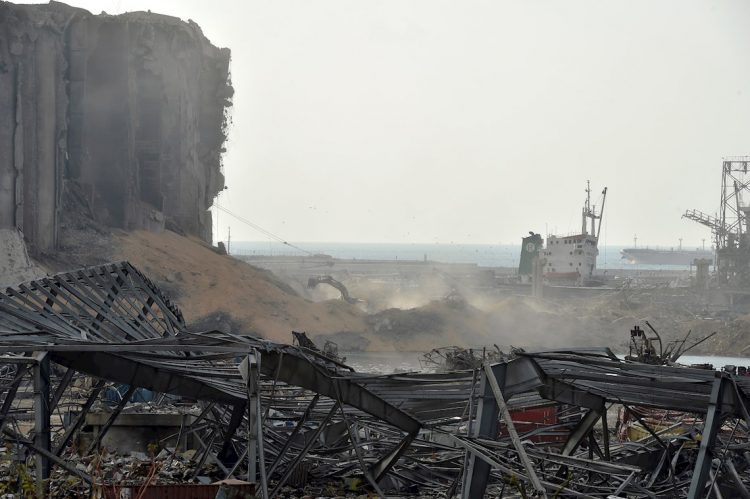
[485,255]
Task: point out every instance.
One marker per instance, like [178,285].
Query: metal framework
[730,225]
[278,414]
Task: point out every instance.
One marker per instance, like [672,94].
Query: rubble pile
[461,359]
[295,421]
[138,468]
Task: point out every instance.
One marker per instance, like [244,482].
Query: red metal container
[532,418]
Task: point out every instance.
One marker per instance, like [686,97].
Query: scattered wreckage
[285,420]
[456,358]
[330,348]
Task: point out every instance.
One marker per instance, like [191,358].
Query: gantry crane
[730,225]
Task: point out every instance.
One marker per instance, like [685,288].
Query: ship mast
[586,209]
[589,211]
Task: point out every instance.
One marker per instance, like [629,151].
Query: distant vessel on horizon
[669,256]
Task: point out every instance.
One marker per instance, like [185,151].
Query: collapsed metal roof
[113,324]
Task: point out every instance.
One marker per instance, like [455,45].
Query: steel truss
[278,414]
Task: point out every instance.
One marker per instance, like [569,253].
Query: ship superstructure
[573,257]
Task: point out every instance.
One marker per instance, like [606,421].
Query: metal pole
[252,415]
[112,417]
[533,478]
[70,431]
[10,395]
[311,442]
[710,430]
[477,471]
[41,421]
[290,438]
[259,428]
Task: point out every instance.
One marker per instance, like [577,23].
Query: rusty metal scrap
[282,416]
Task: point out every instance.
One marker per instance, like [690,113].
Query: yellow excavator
[326,279]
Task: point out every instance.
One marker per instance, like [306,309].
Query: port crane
[730,226]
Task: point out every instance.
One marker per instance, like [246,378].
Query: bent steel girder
[380,468]
[477,471]
[582,429]
[711,427]
[517,376]
[112,323]
[297,370]
[590,382]
[115,303]
[130,371]
[293,370]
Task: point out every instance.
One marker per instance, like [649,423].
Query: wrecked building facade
[123,116]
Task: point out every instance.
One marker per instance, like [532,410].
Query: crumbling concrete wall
[125,112]
[15,265]
[32,124]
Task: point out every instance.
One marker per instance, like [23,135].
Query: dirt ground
[207,285]
[216,291]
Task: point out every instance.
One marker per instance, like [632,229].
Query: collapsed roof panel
[436,430]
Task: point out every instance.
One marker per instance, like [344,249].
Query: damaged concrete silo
[124,115]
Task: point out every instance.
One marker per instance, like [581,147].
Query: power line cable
[261,229]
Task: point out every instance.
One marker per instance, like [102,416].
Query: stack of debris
[460,359]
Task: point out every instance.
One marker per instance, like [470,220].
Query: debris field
[284,421]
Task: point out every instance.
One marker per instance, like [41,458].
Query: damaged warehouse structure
[275,415]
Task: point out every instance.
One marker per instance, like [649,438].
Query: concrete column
[7,128]
[47,130]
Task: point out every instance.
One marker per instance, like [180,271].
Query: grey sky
[475,122]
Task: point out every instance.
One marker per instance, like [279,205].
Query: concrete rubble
[15,265]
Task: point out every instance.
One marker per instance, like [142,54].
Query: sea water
[484,255]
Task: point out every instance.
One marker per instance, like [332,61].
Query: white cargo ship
[572,258]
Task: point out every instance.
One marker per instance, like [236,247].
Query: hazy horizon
[639,244]
[478,121]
